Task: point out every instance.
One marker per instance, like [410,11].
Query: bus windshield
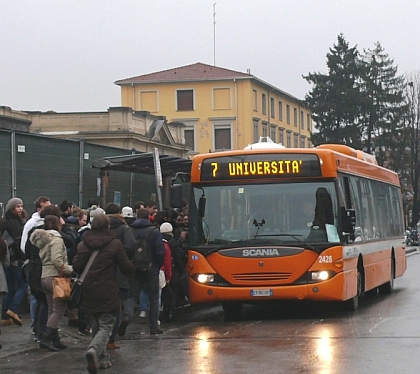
[261,213]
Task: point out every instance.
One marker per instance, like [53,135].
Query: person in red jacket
[169,297]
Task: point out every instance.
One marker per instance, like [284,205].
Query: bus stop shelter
[144,163]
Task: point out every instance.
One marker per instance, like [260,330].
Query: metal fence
[32,165]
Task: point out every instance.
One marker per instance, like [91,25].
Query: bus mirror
[349,222]
[201,206]
[176,195]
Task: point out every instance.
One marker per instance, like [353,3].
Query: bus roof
[333,158]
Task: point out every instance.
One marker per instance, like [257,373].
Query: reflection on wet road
[382,336]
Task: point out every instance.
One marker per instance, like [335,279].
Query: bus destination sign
[273,165]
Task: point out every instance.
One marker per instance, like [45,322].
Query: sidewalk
[411,249]
[19,339]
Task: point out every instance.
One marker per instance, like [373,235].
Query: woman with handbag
[53,254]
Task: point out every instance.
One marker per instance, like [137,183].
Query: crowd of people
[65,241]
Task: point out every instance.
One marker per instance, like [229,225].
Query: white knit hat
[127,212]
[95,211]
[166,228]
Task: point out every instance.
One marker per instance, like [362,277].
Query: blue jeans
[17,287]
[144,300]
[151,282]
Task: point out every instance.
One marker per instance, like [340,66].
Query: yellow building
[222,109]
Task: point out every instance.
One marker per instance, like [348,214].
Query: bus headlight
[205,278]
[320,275]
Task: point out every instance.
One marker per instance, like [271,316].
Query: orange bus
[276,223]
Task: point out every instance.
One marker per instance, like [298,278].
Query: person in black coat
[120,227]
[16,280]
[143,228]
[101,306]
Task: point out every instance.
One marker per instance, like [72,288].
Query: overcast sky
[66,55]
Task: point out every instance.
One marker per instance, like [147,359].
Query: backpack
[142,259]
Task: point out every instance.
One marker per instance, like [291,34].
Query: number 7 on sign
[214,164]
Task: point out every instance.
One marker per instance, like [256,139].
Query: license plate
[263,293]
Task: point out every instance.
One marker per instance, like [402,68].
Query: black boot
[47,340]
[56,341]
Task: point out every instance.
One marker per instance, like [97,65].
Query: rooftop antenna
[214,34]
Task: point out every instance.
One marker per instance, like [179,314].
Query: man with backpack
[147,261]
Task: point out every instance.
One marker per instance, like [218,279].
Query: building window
[302,142]
[189,137]
[302,122]
[222,138]
[295,117]
[288,114]
[308,122]
[272,109]
[280,111]
[264,104]
[273,133]
[296,140]
[256,132]
[185,100]
[189,134]
[289,139]
[255,100]
[264,130]
[281,136]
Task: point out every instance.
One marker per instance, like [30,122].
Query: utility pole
[214,34]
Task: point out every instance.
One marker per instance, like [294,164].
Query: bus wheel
[232,310]
[353,303]
[386,288]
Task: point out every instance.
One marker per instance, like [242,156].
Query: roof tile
[197,71]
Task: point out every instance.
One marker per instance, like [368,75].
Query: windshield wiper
[294,236]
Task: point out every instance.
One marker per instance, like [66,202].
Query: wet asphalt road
[382,336]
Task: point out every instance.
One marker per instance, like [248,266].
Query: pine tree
[336,99]
[384,105]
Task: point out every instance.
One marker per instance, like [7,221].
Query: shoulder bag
[76,290]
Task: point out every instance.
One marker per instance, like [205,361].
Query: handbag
[76,290]
[61,288]
[162,279]
[15,254]
[7,238]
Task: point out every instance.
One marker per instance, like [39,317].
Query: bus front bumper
[339,288]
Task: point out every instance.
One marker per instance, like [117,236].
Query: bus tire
[232,310]
[353,303]
[386,288]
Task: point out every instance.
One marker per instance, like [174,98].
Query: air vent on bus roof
[265,142]
[349,151]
